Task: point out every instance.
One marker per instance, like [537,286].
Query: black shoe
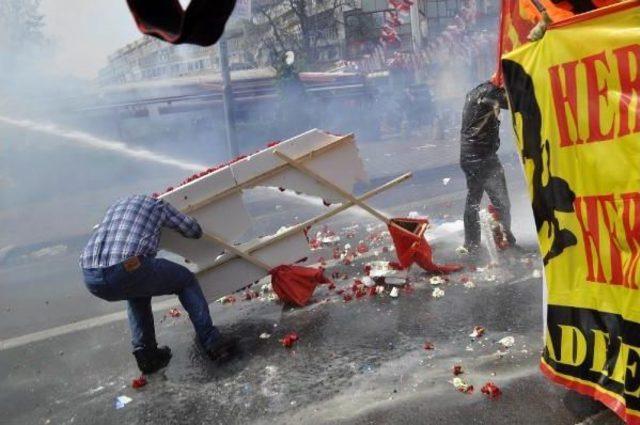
[153,359]
[223,349]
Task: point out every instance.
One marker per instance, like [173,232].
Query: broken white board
[215,200]
[226,217]
[341,165]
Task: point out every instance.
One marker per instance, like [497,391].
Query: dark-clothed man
[119,263]
[479,145]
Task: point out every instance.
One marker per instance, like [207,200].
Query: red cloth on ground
[295,284]
[202,23]
[412,247]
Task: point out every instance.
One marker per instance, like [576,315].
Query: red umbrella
[412,247]
[295,284]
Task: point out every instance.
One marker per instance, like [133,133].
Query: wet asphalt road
[356,362]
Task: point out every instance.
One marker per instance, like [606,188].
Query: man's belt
[132,264]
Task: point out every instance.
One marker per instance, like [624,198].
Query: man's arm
[174,219]
[497,95]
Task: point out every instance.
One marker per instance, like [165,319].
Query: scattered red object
[497,230]
[174,312]
[385,249]
[457,370]
[478,331]
[467,389]
[395,265]
[314,243]
[412,247]
[295,284]
[347,261]
[491,390]
[340,291]
[372,291]
[332,286]
[139,382]
[229,299]
[336,253]
[169,189]
[273,143]
[347,297]
[249,295]
[362,248]
[367,269]
[289,339]
[428,346]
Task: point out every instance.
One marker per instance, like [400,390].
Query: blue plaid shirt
[132,227]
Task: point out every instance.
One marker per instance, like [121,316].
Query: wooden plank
[300,227]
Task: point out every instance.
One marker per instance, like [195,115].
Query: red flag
[295,284]
[516,21]
[412,247]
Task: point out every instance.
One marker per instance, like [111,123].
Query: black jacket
[479,136]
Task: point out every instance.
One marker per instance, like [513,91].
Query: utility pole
[416,33]
[227,97]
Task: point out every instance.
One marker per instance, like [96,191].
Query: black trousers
[486,175]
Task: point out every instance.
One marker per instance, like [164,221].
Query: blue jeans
[154,277]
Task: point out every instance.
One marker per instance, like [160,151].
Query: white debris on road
[437,293]
[469,284]
[436,280]
[507,341]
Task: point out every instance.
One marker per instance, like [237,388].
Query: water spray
[92,141]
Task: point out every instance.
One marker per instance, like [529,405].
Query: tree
[297,25]
[20,24]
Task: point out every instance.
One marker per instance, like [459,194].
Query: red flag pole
[497,79]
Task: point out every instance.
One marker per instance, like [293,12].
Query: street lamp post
[227,97]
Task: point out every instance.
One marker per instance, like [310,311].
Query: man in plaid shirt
[119,263]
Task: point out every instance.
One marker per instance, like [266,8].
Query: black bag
[202,23]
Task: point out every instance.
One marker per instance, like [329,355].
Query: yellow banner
[575,96]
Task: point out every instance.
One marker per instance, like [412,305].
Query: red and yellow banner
[575,100]
[518,17]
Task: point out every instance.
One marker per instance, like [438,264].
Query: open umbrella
[411,246]
[295,284]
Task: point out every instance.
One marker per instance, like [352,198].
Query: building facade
[335,30]
[151,59]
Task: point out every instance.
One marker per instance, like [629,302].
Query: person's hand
[538,31]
